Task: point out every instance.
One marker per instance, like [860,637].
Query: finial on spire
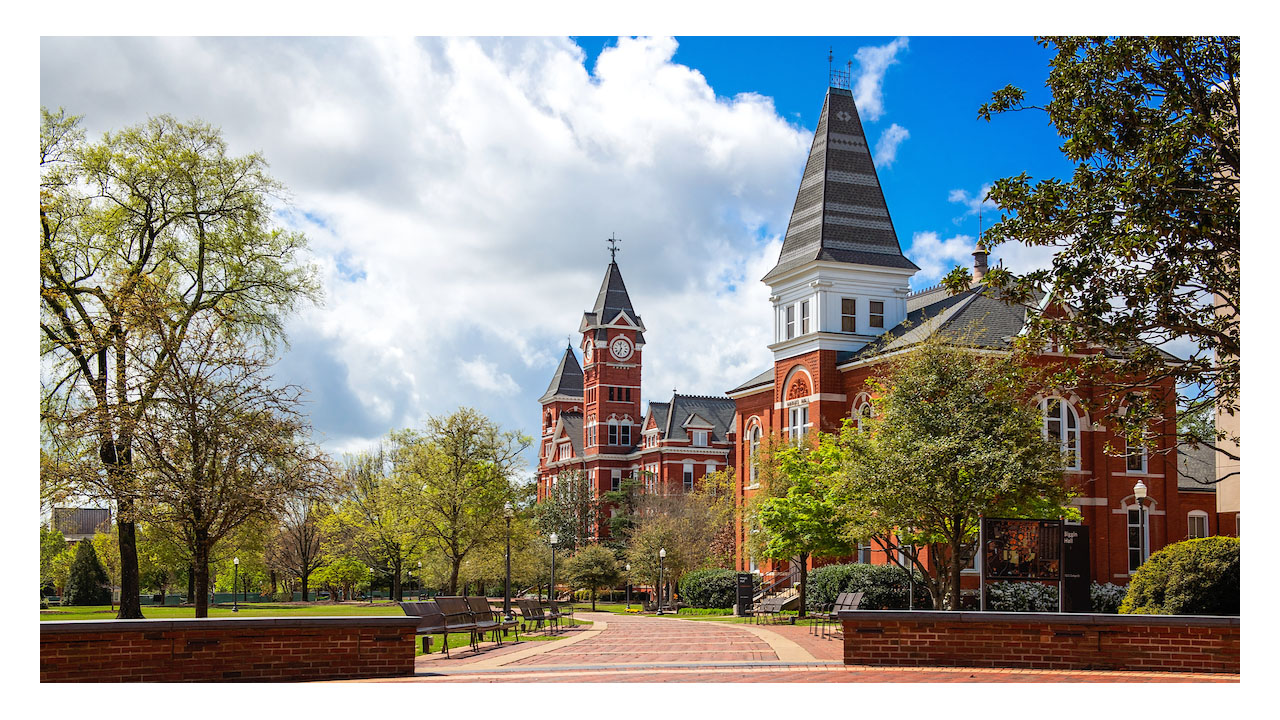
[839,78]
[613,247]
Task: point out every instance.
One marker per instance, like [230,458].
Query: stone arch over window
[1061,424]
[798,383]
[754,435]
[861,409]
[1197,524]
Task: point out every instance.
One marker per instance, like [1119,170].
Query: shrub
[88,583]
[884,587]
[713,588]
[1193,577]
[1022,597]
[1106,598]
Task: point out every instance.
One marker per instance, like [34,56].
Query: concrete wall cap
[195,624]
[1040,618]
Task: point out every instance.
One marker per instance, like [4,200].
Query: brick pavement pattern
[643,649]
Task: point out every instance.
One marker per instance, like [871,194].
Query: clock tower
[612,348]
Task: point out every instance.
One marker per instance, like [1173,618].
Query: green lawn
[104,612]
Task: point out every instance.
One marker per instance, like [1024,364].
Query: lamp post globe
[235,583]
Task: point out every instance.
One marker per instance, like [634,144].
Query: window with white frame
[613,432]
[798,422]
[877,314]
[848,315]
[624,433]
[699,438]
[1061,426]
[861,415]
[688,475]
[804,317]
[615,480]
[864,553]
[711,467]
[1135,457]
[791,321]
[1197,524]
[754,446]
[1137,543]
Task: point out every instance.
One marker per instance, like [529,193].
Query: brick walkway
[621,648]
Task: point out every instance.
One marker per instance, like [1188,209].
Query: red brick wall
[248,649]
[1042,640]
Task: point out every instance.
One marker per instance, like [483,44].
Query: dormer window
[877,314]
[848,315]
[699,438]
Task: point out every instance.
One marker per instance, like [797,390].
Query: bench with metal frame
[532,613]
[770,607]
[844,601]
[563,609]
[489,621]
[458,617]
[430,622]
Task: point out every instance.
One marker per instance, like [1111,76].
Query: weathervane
[613,247]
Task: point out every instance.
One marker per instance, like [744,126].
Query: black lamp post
[508,512]
[419,580]
[628,586]
[370,584]
[551,591]
[235,584]
[662,553]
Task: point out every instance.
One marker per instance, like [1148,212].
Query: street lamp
[235,584]
[370,584]
[552,590]
[419,580]
[628,586]
[508,512]
[662,553]
[1140,494]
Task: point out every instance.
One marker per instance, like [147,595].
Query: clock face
[621,348]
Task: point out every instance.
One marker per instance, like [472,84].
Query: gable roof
[840,213]
[570,426]
[567,380]
[1197,467]
[716,411]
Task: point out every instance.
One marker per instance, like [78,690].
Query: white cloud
[457,194]
[973,203]
[486,375]
[936,256]
[872,64]
[887,145]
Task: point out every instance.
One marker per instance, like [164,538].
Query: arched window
[861,415]
[1197,524]
[1063,427]
[753,444]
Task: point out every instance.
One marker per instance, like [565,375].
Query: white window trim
[1128,451]
[1204,517]
[1065,410]
[1145,524]
[804,317]
[844,314]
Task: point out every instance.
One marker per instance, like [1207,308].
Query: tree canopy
[1146,231]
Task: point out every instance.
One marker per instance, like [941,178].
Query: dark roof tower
[567,382]
[611,300]
[840,212]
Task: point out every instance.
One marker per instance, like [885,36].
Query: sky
[457,192]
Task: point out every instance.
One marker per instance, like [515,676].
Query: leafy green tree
[1192,577]
[87,584]
[570,510]
[953,437]
[1147,230]
[464,465]
[106,545]
[805,521]
[156,223]
[52,544]
[695,528]
[593,567]
[345,573]
[298,541]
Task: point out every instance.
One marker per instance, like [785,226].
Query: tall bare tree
[152,223]
[297,545]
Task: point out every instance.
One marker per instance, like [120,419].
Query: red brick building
[842,304]
[591,418]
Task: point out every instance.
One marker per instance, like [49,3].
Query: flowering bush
[1022,597]
[1106,598]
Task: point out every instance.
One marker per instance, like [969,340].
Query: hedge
[713,588]
[1193,577]
[884,587]
[1022,597]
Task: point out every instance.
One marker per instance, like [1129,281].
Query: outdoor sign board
[746,591]
[1075,569]
[1022,549]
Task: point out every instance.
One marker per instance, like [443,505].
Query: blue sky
[457,192]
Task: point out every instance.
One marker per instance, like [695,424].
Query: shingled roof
[840,212]
[717,411]
[567,380]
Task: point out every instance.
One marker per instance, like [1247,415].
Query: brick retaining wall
[1042,640]
[242,649]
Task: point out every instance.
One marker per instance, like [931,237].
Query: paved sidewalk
[622,648]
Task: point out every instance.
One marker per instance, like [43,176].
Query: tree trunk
[191,583]
[304,578]
[130,592]
[201,553]
[953,570]
[593,599]
[804,579]
[454,569]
